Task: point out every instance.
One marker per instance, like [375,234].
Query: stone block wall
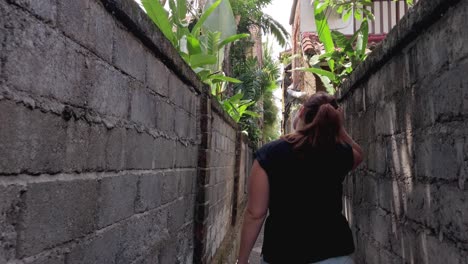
[407,105]
[221,184]
[101,131]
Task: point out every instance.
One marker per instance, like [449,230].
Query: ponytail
[321,132]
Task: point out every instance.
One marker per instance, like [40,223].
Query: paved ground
[257,249]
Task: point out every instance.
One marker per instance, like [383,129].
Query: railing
[387,14]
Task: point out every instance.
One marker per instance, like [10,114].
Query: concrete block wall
[407,105]
[221,184]
[100,134]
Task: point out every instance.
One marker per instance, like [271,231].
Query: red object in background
[376,38]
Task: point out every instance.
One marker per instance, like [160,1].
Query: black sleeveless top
[305,223]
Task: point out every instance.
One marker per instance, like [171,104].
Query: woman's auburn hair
[322,122]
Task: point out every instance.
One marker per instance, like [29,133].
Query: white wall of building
[335,20]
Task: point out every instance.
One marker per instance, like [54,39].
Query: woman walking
[297,181]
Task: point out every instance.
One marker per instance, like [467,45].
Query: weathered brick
[39,61]
[176,214]
[149,191]
[185,245]
[157,75]
[385,122]
[391,196]
[97,150]
[129,54]
[170,182]
[417,201]
[164,153]
[435,156]
[143,107]
[117,196]
[178,90]
[458,34]
[32,141]
[437,251]
[186,156]
[46,10]
[66,219]
[182,124]
[115,148]
[108,90]
[450,86]
[124,242]
[96,25]
[10,206]
[449,211]
[165,117]
[187,182]
[138,150]
[102,248]
[51,258]
[145,232]
[76,146]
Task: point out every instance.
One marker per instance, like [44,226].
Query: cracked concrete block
[66,219]
[117,196]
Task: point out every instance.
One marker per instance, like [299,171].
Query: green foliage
[342,54]
[201,49]
[236,107]
[251,14]
[258,84]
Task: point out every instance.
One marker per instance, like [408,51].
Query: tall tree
[251,13]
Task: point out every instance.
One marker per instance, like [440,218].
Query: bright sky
[280,11]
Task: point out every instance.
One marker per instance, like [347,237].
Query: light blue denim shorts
[337,260]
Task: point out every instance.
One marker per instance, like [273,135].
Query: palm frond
[270,26]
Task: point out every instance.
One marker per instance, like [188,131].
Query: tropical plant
[342,54]
[237,107]
[251,14]
[258,84]
[199,47]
